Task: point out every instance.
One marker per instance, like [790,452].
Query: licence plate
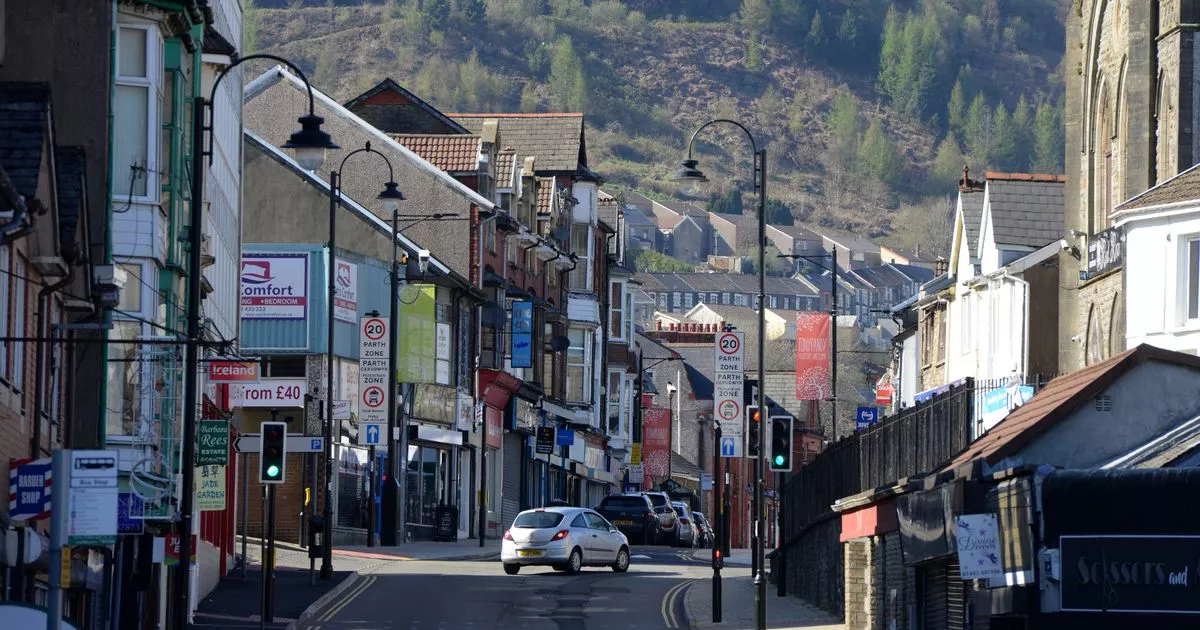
[529,553]
[622,521]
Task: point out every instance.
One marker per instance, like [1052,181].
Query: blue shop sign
[522,334]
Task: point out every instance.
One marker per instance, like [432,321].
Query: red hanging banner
[656,444]
[812,356]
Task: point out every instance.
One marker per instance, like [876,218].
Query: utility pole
[388,534]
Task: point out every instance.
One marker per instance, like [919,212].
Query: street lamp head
[689,176]
[310,143]
[391,196]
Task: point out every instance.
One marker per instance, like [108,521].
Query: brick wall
[289,500]
[860,584]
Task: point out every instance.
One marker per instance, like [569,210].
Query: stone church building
[1130,113]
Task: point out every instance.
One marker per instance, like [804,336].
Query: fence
[917,440]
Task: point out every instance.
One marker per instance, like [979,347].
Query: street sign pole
[58,536]
[717,559]
[268,565]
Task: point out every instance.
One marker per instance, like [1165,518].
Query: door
[606,533]
[583,535]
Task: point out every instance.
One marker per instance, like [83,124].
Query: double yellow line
[356,590]
[670,603]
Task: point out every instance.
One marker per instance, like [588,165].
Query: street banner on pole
[812,356]
[728,380]
[373,399]
[656,444]
[345,291]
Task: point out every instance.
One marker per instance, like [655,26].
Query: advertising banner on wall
[522,334]
[417,354]
[812,356]
[656,444]
[345,292]
[274,286]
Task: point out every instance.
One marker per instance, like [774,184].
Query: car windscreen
[624,502]
[657,499]
[538,520]
[682,511]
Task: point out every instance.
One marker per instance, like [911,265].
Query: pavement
[737,605]
[467,549]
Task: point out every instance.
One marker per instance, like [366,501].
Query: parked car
[687,527]
[706,531]
[667,518]
[565,538]
[634,515]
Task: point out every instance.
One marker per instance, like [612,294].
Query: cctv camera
[423,259]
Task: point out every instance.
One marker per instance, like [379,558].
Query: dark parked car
[667,518]
[706,536]
[633,514]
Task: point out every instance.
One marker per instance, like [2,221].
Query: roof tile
[453,154]
[555,139]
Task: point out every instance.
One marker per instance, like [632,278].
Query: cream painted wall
[1156,305]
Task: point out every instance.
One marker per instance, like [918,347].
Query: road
[453,595]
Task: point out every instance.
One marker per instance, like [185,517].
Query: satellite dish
[559,343]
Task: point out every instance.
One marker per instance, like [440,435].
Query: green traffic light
[272,471]
[779,460]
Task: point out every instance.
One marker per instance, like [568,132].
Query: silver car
[566,538]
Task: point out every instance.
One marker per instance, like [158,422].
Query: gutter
[35,443]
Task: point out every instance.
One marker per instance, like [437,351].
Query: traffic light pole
[268,565]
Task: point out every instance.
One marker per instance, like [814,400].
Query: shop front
[433,449]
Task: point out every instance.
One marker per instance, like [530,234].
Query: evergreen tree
[1022,122]
[948,165]
[845,125]
[878,156]
[815,42]
[779,213]
[530,102]
[848,31]
[956,109]
[1047,140]
[727,203]
[567,87]
[435,13]
[979,128]
[911,61]
[889,54]
[753,56]
[756,15]
[1004,140]
[475,11]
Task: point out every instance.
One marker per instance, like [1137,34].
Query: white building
[1162,250]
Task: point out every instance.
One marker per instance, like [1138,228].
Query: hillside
[866,107]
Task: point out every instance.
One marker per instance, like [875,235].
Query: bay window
[579,365]
[618,311]
[135,124]
[581,246]
[1192,273]
[614,403]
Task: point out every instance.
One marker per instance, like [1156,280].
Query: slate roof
[555,139]
[890,275]
[972,210]
[717,282]
[24,126]
[683,467]
[453,154]
[1182,187]
[72,201]
[637,199]
[1025,210]
[634,216]
[797,232]
[506,165]
[852,242]
[1058,400]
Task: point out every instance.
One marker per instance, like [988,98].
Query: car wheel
[512,569]
[575,561]
[622,563]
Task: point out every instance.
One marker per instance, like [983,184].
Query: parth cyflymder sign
[274,286]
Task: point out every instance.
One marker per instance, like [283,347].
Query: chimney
[941,266]
[658,325]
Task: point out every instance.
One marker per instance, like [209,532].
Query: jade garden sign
[212,444]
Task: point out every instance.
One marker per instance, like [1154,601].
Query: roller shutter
[510,491]
[933,584]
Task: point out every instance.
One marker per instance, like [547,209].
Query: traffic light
[781,443]
[272,461]
[753,430]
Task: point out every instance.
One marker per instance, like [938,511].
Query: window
[629,315]
[614,403]
[5,252]
[581,246]
[21,286]
[687,300]
[579,367]
[713,298]
[725,299]
[285,366]
[548,357]
[968,322]
[136,95]
[1193,278]
[774,301]
[618,310]
[489,236]
[662,301]
[675,299]
[131,294]
[739,299]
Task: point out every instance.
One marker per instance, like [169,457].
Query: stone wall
[815,567]
[861,584]
[1100,318]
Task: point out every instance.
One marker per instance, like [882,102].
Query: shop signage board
[210,488]
[635,454]
[129,513]
[545,440]
[29,482]
[271,392]
[92,519]
[1130,573]
[728,383]
[978,541]
[373,390]
[252,443]
[522,334]
[234,371]
[345,291]
[212,443]
[171,550]
[274,286]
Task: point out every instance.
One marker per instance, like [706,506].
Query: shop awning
[496,387]
[927,522]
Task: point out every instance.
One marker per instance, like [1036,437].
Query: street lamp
[391,198]
[690,174]
[309,145]
[833,313]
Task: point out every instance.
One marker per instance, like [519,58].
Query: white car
[566,538]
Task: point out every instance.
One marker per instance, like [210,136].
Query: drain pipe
[35,443]
[1024,324]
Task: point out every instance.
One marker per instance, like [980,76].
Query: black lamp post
[309,145]
[391,198]
[689,173]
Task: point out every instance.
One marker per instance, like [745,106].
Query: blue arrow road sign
[865,417]
[372,432]
[727,447]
